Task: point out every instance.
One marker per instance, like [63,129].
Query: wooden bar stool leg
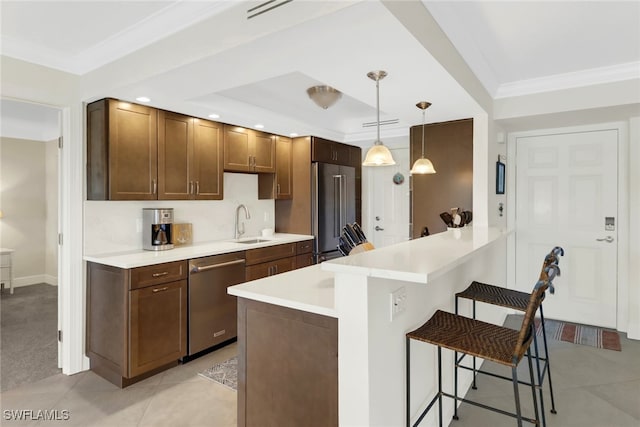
[546,356]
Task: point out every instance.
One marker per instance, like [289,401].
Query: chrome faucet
[239,228]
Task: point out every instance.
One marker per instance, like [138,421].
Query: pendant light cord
[423,111]
[378,108]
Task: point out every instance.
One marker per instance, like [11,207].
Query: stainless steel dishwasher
[213,312]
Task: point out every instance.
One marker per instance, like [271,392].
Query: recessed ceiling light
[259,126]
[293,134]
[143,99]
[214,116]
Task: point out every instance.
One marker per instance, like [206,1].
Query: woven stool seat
[473,337]
[496,295]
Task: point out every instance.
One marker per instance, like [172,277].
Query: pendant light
[422,166]
[378,155]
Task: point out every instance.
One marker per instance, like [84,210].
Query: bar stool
[490,342]
[516,300]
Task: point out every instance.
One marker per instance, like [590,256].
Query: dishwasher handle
[200,269]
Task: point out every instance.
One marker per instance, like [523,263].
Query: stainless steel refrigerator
[333,206]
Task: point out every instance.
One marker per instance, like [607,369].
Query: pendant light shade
[423,166]
[378,155]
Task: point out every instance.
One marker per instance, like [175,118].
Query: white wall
[24,184]
[633,330]
[112,226]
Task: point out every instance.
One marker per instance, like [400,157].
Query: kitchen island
[339,317]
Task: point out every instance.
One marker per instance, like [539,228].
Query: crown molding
[582,78]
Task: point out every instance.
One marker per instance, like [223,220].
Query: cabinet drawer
[155,274]
[266,269]
[304,260]
[256,256]
[304,247]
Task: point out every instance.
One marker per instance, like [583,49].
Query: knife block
[363,247]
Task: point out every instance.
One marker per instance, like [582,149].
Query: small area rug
[225,373]
[580,334]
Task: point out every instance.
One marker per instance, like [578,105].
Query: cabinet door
[284,168]
[158,326]
[133,151]
[175,149]
[304,260]
[236,149]
[207,164]
[263,150]
[322,151]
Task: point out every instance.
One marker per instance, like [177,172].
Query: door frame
[622,128]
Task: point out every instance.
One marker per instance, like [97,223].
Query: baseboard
[34,280]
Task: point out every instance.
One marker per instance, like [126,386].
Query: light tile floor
[593,388]
[178,397]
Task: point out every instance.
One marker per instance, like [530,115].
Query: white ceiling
[200,57]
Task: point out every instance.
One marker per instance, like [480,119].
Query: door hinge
[59,239]
[60,143]
[59,336]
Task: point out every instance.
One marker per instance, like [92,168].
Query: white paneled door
[567,196]
[389,192]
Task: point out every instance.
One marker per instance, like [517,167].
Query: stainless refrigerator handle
[337,205]
[343,202]
[197,269]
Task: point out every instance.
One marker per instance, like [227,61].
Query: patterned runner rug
[225,373]
[580,334]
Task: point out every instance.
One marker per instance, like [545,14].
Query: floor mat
[225,373]
[580,334]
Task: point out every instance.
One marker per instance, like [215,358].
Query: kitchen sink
[250,241]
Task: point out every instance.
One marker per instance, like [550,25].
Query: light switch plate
[398,302]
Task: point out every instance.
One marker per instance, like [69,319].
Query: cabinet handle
[197,187]
[155,186]
[164,273]
[160,289]
[275,267]
[190,187]
[278,190]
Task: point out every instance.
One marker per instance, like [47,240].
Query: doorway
[567,195]
[29,200]
[389,207]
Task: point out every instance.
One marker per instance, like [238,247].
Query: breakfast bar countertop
[141,258]
[419,260]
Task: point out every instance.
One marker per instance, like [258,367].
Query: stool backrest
[537,295]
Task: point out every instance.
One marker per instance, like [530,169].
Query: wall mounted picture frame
[500,177]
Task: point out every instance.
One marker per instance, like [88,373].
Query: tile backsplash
[116,226]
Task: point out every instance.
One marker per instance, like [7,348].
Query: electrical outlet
[398,302]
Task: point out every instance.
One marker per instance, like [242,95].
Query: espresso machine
[157,233]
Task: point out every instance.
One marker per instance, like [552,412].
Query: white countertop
[312,289]
[307,289]
[419,260]
[141,258]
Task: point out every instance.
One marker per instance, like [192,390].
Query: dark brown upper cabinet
[121,151]
[135,152]
[189,155]
[246,150]
[279,186]
[326,151]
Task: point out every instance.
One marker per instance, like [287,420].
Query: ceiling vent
[265,7]
[382,123]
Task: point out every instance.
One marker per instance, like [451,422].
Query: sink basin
[250,241]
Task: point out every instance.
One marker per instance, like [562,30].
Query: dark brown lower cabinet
[136,320]
[287,367]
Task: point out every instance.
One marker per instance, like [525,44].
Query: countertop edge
[142,258]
